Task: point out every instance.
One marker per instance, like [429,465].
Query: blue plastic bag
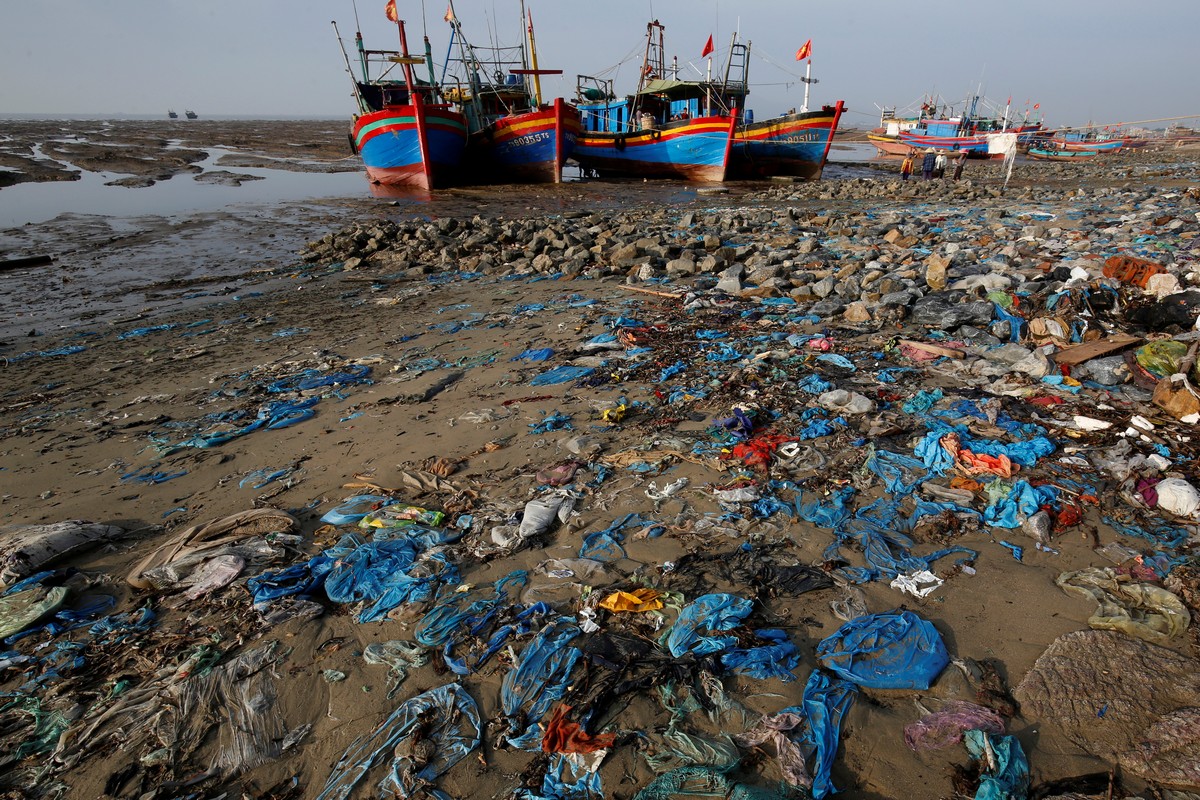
[713,612]
[894,650]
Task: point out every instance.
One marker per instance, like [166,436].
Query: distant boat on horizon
[171,113]
[190,114]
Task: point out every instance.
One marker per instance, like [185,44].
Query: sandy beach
[413,348]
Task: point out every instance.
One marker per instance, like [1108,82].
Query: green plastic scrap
[21,609]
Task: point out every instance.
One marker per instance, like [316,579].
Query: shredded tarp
[1142,610]
[399,656]
[712,612]
[24,549]
[198,542]
[826,701]
[893,650]
[701,783]
[446,716]
[564,735]
[1005,774]
[947,726]
[21,609]
[674,748]
[539,679]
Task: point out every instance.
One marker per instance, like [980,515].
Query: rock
[938,312]
[824,287]
[935,272]
[856,313]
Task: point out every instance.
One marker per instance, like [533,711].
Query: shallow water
[182,194]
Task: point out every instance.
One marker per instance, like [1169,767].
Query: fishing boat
[1074,142]
[667,129]
[795,144]
[404,134]
[171,114]
[941,129]
[1062,155]
[512,136]
[190,114]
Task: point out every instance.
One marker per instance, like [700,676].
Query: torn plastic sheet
[458,615]
[384,575]
[446,716]
[893,650]
[694,783]
[539,680]
[713,612]
[24,549]
[674,748]
[1141,610]
[886,552]
[826,701]
[399,657]
[775,659]
[569,776]
[948,726]
[563,374]
[1005,772]
[1022,501]
[919,584]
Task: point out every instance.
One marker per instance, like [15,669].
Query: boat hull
[890,145]
[524,148]
[974,145]
[1062,155]
[794,145]
[1113,146]
[694,150]
[418,146]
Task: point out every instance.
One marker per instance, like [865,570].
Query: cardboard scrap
[1101,347]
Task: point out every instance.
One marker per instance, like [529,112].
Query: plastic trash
[843,402]
[21,609]
[1004,772]
[701,783]
[948,726]
[541,514]
[25,549]
[1177,497]
[399,657]
[712,612]
[422,739]
[894,650]
[1142,610]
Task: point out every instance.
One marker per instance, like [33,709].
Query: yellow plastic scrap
[635,601]
[614,414]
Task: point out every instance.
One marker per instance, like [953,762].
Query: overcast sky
[1081,60]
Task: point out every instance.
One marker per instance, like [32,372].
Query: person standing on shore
[906,167]
[927,164]
[939,165]
[959,163]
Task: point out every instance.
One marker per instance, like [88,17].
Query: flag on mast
[708,47]
[390,10]
[449,13]
[805,51]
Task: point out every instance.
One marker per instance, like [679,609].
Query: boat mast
[537,79]
[362,107]
[809,80]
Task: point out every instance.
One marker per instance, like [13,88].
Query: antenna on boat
[349,70]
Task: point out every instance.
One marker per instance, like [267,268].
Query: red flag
[1009,100]
[708,47]
[449,13]
[805,51]
[390,10]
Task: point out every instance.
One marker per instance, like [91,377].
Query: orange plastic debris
[637,600]
[1131,269]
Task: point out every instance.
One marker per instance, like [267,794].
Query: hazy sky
[1081,60]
